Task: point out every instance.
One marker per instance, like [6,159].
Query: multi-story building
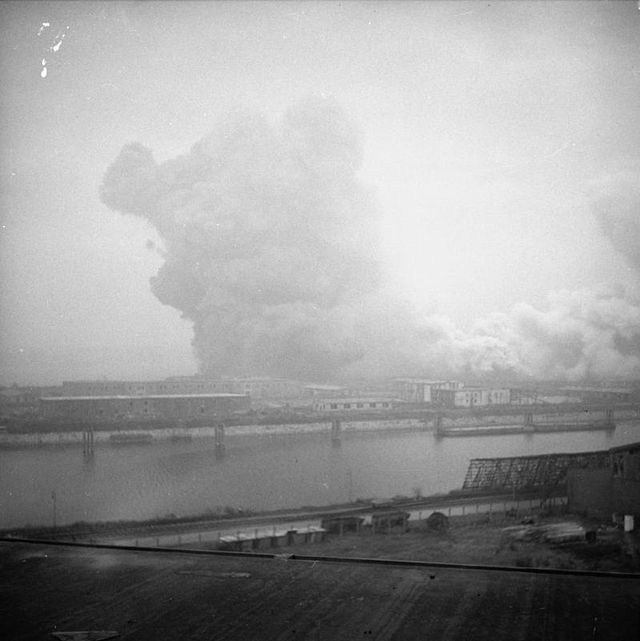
[418,390]
[472,397]
[16,401]
[352,404]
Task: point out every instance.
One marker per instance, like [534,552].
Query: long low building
[418,390]
[162,406]
[256,387]
[352,404]
[472,397]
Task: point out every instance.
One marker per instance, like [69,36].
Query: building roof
[427,381]
[630,447]
[132,397]
[151,595]
[602,390]
[363,399]
[325,387]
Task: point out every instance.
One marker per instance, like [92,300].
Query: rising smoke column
[270,246]
[588,334]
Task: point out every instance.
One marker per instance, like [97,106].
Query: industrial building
[128,407]
[612,487]
[353,404]
[256,387]
[177,385]
[266,388]
[471,397]
[417,390]
[325,391]
[600,394]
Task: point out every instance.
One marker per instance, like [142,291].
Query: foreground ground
[177,595]
[491,541]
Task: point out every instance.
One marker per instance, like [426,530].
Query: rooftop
[150,595]
[139,397]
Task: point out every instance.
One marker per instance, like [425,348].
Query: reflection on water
[258,472]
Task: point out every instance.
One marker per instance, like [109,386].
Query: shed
[390,520]
[342,524]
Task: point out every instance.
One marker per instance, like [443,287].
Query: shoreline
[236,517]
[454,426]
[180,434]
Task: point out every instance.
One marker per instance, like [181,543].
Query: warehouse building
[353,404]
[613,487]
[256,387]
[267,388]
[472,397]
[600,394]
[418,390]
[177,385]
[123,407]
[325,391]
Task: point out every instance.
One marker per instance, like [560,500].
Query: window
[334,406]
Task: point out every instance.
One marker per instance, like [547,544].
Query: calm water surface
[258,472]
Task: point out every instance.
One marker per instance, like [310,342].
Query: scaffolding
[544,473]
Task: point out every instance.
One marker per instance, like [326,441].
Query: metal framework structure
[544,473]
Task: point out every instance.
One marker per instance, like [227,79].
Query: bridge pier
[87,442]
[437,425]
[336,431]
[528,422]
[219,440]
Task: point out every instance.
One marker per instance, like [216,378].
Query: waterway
[140,481]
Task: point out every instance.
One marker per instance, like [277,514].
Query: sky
[494,155]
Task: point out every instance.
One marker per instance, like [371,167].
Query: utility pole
[53,497]
[350,478]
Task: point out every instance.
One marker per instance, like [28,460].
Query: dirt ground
[480,540]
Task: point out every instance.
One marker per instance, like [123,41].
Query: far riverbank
[451,424]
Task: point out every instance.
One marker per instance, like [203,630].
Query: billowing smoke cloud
[271,246]
[271,251]
[585,334]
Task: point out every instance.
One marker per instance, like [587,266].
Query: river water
[258,472]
